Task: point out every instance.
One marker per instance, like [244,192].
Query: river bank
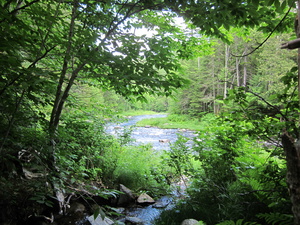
[166,121]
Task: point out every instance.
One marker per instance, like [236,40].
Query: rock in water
[190,222]
[100,221]
[164,140]
[145,199]
[134,220]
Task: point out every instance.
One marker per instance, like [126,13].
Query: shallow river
[151,135]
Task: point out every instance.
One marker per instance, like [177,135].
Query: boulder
[134,220]
[159,205]
[164,140]
[100,221]
[190,222]
[145,199]
[182,130]
[126,198]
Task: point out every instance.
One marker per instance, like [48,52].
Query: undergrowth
[240,180]
[172,122]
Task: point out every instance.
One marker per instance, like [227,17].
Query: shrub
[238,178]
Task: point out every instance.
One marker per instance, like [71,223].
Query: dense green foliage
[238,176]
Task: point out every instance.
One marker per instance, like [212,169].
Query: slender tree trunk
[64,96]
[292,151]
[298,36]
[237,68]
[226,69]
[216,111]
[60,98]
[56,111]
[245,72]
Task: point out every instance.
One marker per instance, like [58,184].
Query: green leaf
[270,2]
[96,213]
[294,69]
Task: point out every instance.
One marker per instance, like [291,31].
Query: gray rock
[160,204]
[100,221]
[127,197]
[145,199]
[190,222]
[119,210]
[164,140]
[134,220]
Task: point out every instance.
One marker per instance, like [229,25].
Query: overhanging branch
[291,44]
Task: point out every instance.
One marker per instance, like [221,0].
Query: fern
[238,222]
[276,218]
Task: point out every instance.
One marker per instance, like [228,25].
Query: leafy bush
[238,178]
[135,169]
[82,147]
[87,152]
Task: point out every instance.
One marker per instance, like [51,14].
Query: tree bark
[237,67]
[226,69]
[56,110]
[292,151]
[245,72]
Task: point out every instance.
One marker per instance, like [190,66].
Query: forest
[226,70]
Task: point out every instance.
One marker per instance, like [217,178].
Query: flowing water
[160,139]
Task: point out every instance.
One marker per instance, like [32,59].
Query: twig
[267,38]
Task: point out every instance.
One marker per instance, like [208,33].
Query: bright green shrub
[83,148]
[135,169]
[85,151]
[238,177]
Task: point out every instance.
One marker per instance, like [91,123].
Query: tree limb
[267,38]
[291,44]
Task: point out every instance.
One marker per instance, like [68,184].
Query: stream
[160,139]
[151,135]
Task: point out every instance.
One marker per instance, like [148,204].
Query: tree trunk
[297,26]
[215,104]
[237,68]
[245,72]
[292,151]
[59,99]
[226,70]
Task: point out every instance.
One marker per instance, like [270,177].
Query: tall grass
[172,122]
